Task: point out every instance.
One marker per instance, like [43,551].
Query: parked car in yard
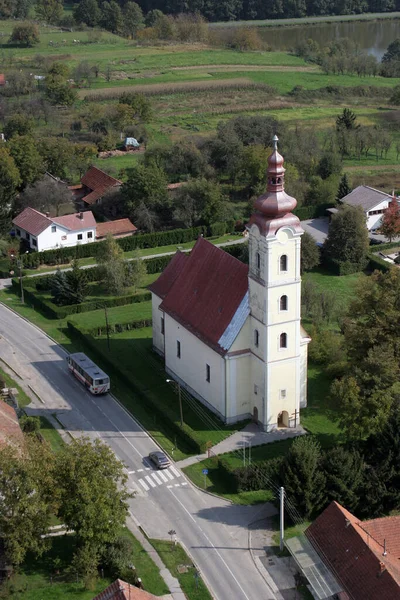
[159,459]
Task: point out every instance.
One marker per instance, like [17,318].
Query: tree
[303,477]
[45,195]
[112,266]
[57,155]
[77,288]
[25,34]
[310,254]
[91,483]
[329,164]
[344,187]
[152,16]
[133,19]
[23,149]
[27,498]
[347,120]
[146,196]
[136,271]
[392,52]
[49,11]
[344,471]
[390,226]
[58,91]
[18,124]
[141,106]
[87,11]
[347,239]
[111,16]
[10,180]
[59,286]
[199,201]
[253,170]
[83,74]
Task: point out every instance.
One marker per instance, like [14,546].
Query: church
[231,333]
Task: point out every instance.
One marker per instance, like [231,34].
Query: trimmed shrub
[376,262]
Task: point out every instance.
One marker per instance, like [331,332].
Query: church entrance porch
[283,419]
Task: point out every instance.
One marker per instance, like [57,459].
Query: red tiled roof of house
[120,590]
[2,79]
[385,529]
[118,227]
[98,182]
[163,284]
[175,186]
[77,221]
[207,293]
[10,431]
[355,558]
[32,221]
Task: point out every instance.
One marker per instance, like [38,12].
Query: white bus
[84,369]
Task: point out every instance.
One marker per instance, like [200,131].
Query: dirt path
[373,168]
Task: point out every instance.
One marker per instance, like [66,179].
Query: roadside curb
[263,572]
[201,573]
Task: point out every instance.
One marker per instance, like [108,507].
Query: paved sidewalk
[251,434]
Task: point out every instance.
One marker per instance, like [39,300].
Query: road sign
[205,471]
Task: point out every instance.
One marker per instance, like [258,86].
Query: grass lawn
[115,315]
[174,557]
[51,434]
[23,398]
[343,287]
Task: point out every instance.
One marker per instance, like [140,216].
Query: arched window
[256,338]
[283,303]
[283,340]
[258,260]
[283,262]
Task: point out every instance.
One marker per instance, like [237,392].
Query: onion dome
[275,202]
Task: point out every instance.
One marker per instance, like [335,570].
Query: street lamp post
[179,397]
[20,264]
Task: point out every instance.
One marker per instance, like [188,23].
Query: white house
[230,333]
[42,232]
[373,202]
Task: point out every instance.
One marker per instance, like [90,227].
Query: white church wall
[157,316]
[283,392]
[191,367]
[303,374]
[238,385]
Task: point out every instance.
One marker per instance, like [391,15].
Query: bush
[376,262]
[29,424]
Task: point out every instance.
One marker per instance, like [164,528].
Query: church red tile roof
[207,293]
[120,590]
[163,284]
[118,227]
[99,183]
[354,552]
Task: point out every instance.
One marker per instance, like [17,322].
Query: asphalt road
[214,531]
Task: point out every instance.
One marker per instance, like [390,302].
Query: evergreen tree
[347,239]
[303,477]
[59,288]
[347,120]
[87,11]
[136,271]
[77,288]
[344,470]
[113,271]
[344,187]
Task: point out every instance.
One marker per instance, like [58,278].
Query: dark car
[159,459]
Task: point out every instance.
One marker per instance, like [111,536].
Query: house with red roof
[230,332]
[42,232]
[363,556]
[94,185]
[2,80]
[118,229]
[10,431]
[120,590]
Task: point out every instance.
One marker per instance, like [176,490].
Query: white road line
[131,472]
[170,477]
[177,485]
[151,482]
[212,545]
[161,474]
[175,471]
[155,477]
[144,484]
[184,482]
[140,470]
[170,486]
[148,469]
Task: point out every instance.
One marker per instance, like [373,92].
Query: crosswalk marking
[169,475]
[131,472]
[170,486]
[139,470]
[161,474]
[184,482]
[156,479]
[175,472]
[177,484]
[151,482]
[144,484]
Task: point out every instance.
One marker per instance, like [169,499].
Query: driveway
[317,228]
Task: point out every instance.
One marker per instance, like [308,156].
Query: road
[213,530]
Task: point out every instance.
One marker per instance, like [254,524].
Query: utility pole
[281,517]
[108,333]
[19,265]
[180,402]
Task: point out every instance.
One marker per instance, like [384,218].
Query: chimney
[47,214]
[382,568]
[384,547]
[81,216]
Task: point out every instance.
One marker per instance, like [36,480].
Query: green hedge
[376,262]
[342,268]
[61,256]
[312,212]
[115,328]
[157,409]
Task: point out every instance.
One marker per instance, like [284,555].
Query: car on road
[159,459]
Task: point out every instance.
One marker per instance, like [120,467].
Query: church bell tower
[278,344]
